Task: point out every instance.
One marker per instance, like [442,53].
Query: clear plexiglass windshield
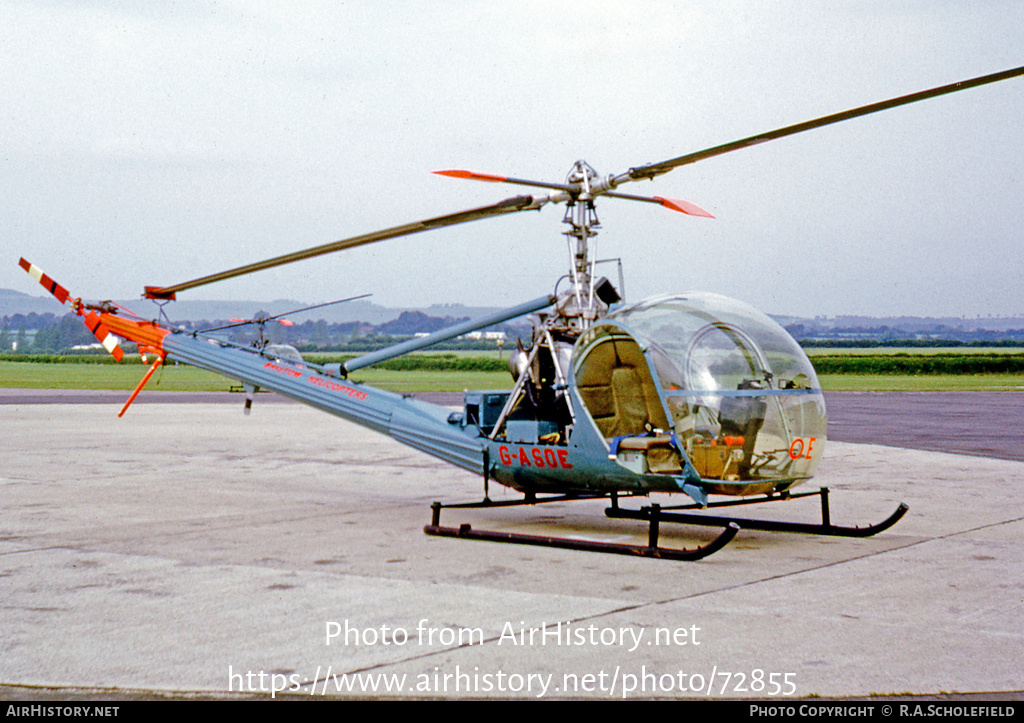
[741,395]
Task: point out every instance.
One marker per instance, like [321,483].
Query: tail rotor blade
[92,320]
[59,292]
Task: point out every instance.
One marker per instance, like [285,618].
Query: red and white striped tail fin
[103,335]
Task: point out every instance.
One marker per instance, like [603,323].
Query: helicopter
[692,393]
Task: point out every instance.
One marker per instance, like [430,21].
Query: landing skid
[652,549]
[654,515]
[825,528]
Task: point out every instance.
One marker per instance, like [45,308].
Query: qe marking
[799,448]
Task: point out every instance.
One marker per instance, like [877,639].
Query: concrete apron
[190,548]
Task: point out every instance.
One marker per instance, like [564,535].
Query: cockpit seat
[615,383]
[661,454]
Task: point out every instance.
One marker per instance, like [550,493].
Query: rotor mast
[580,306]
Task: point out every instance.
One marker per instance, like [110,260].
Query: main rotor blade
[509,205]
[656,169]
[243,322]
[318,306]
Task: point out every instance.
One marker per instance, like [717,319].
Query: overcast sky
[153,142]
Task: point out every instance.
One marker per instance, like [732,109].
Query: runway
[976,423]
[187,548]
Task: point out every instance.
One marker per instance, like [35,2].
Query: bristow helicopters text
[560,633]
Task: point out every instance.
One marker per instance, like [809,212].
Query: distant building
[485,335]
[88,347]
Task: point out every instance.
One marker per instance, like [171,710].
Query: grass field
[884,350]
[181,377]
[28,375]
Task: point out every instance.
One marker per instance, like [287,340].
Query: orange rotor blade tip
[472,175]
[690,209]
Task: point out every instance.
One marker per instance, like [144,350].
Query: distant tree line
[919,364]
[48,334]
[912,343]
[885,336]
[29,321]
[884,364]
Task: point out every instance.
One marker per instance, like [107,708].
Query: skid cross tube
[825,528]
[466,532]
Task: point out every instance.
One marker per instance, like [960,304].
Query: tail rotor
[92,320]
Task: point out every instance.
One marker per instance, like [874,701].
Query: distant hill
[912,324]
[851,329]
[408,321]
[16,302]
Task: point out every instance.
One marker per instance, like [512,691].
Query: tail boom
[417,424]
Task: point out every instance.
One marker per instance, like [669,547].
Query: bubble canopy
[740,397]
